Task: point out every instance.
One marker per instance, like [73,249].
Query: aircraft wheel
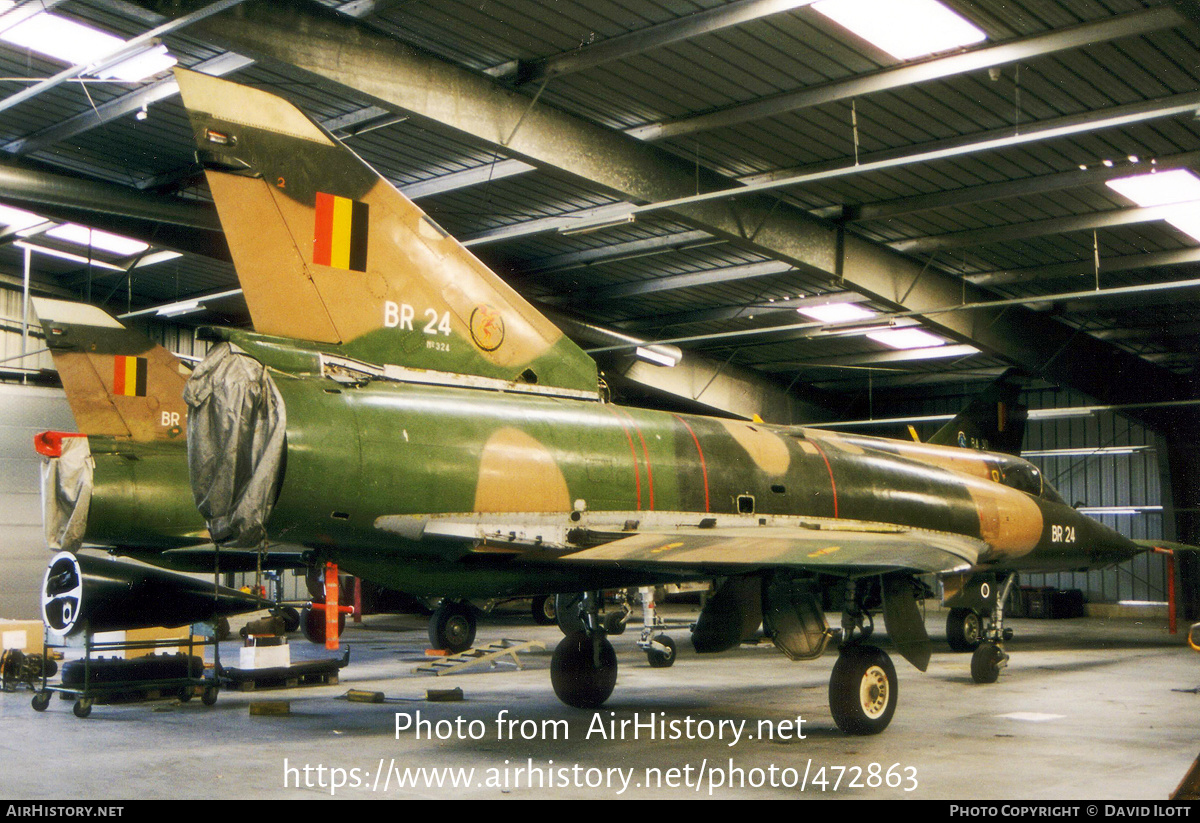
[82,707]
[291,619]
[452,626]
[41,701]
[544,613]
[985,663]
[863,690]
[312,622]
[662,660]
[614,623]
[583,670]
[964,630]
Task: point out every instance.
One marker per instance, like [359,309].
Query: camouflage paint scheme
[444,438]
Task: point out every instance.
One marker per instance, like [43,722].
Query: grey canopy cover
[236,441]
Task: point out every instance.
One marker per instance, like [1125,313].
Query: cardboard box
[25,635]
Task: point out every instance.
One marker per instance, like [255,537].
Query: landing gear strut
[863,689]
[659,648]
[989,658]
[583,669]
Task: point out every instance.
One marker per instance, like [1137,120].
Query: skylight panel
[61,39]
[903,28]
[911,338]
[1179,186]
[96,239]
[836,312]
[17,220]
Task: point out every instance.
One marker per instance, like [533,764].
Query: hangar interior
[820,221]
[807,213]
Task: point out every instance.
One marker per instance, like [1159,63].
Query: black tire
[40,701]
[185,694]
[985,663]
[576,678]
[291,619]
[614,623]
[452,626]
[209,696]
[82,707]
[544,613]
[312,622]
[964,630]
[662,660]
[863,690]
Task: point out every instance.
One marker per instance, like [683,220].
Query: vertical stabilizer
[993,421]
[118,382]
[328,251]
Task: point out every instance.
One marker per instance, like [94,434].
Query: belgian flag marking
[340,236]
[129,376]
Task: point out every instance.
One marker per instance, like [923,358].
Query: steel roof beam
[615,252]
[1036,228]
[749,311]
[1108,265]
[445,96]
[875,358]
[696,24]
[1126,25]
[674,282]
[988,192]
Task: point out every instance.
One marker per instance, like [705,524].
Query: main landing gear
[583,669]
[863,690]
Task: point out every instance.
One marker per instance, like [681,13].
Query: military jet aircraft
[404,412]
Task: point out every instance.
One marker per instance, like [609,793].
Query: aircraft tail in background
[118,383]
[993,421]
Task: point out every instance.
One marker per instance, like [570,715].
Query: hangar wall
[24,411]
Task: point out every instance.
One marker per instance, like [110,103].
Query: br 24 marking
[400,315]
[1062,534]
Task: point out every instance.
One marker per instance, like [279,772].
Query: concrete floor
[1087,709]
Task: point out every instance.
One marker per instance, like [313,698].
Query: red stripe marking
[700,451]
[645,454]
[323,233]
[829,468]
[637,474]
[119,374]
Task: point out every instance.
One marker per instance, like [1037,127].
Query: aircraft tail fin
[329,251]
[993,421]
[117,381]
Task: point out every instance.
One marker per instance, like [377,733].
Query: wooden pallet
[501,652]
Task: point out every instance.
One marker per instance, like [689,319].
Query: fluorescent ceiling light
[140,66]
[157,257]
[17,220]
[836,312]
[903,28]
[907,338]
[668,356]
[62,39]
[1164,188]
[96,239]
[64,255]
[180,309]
